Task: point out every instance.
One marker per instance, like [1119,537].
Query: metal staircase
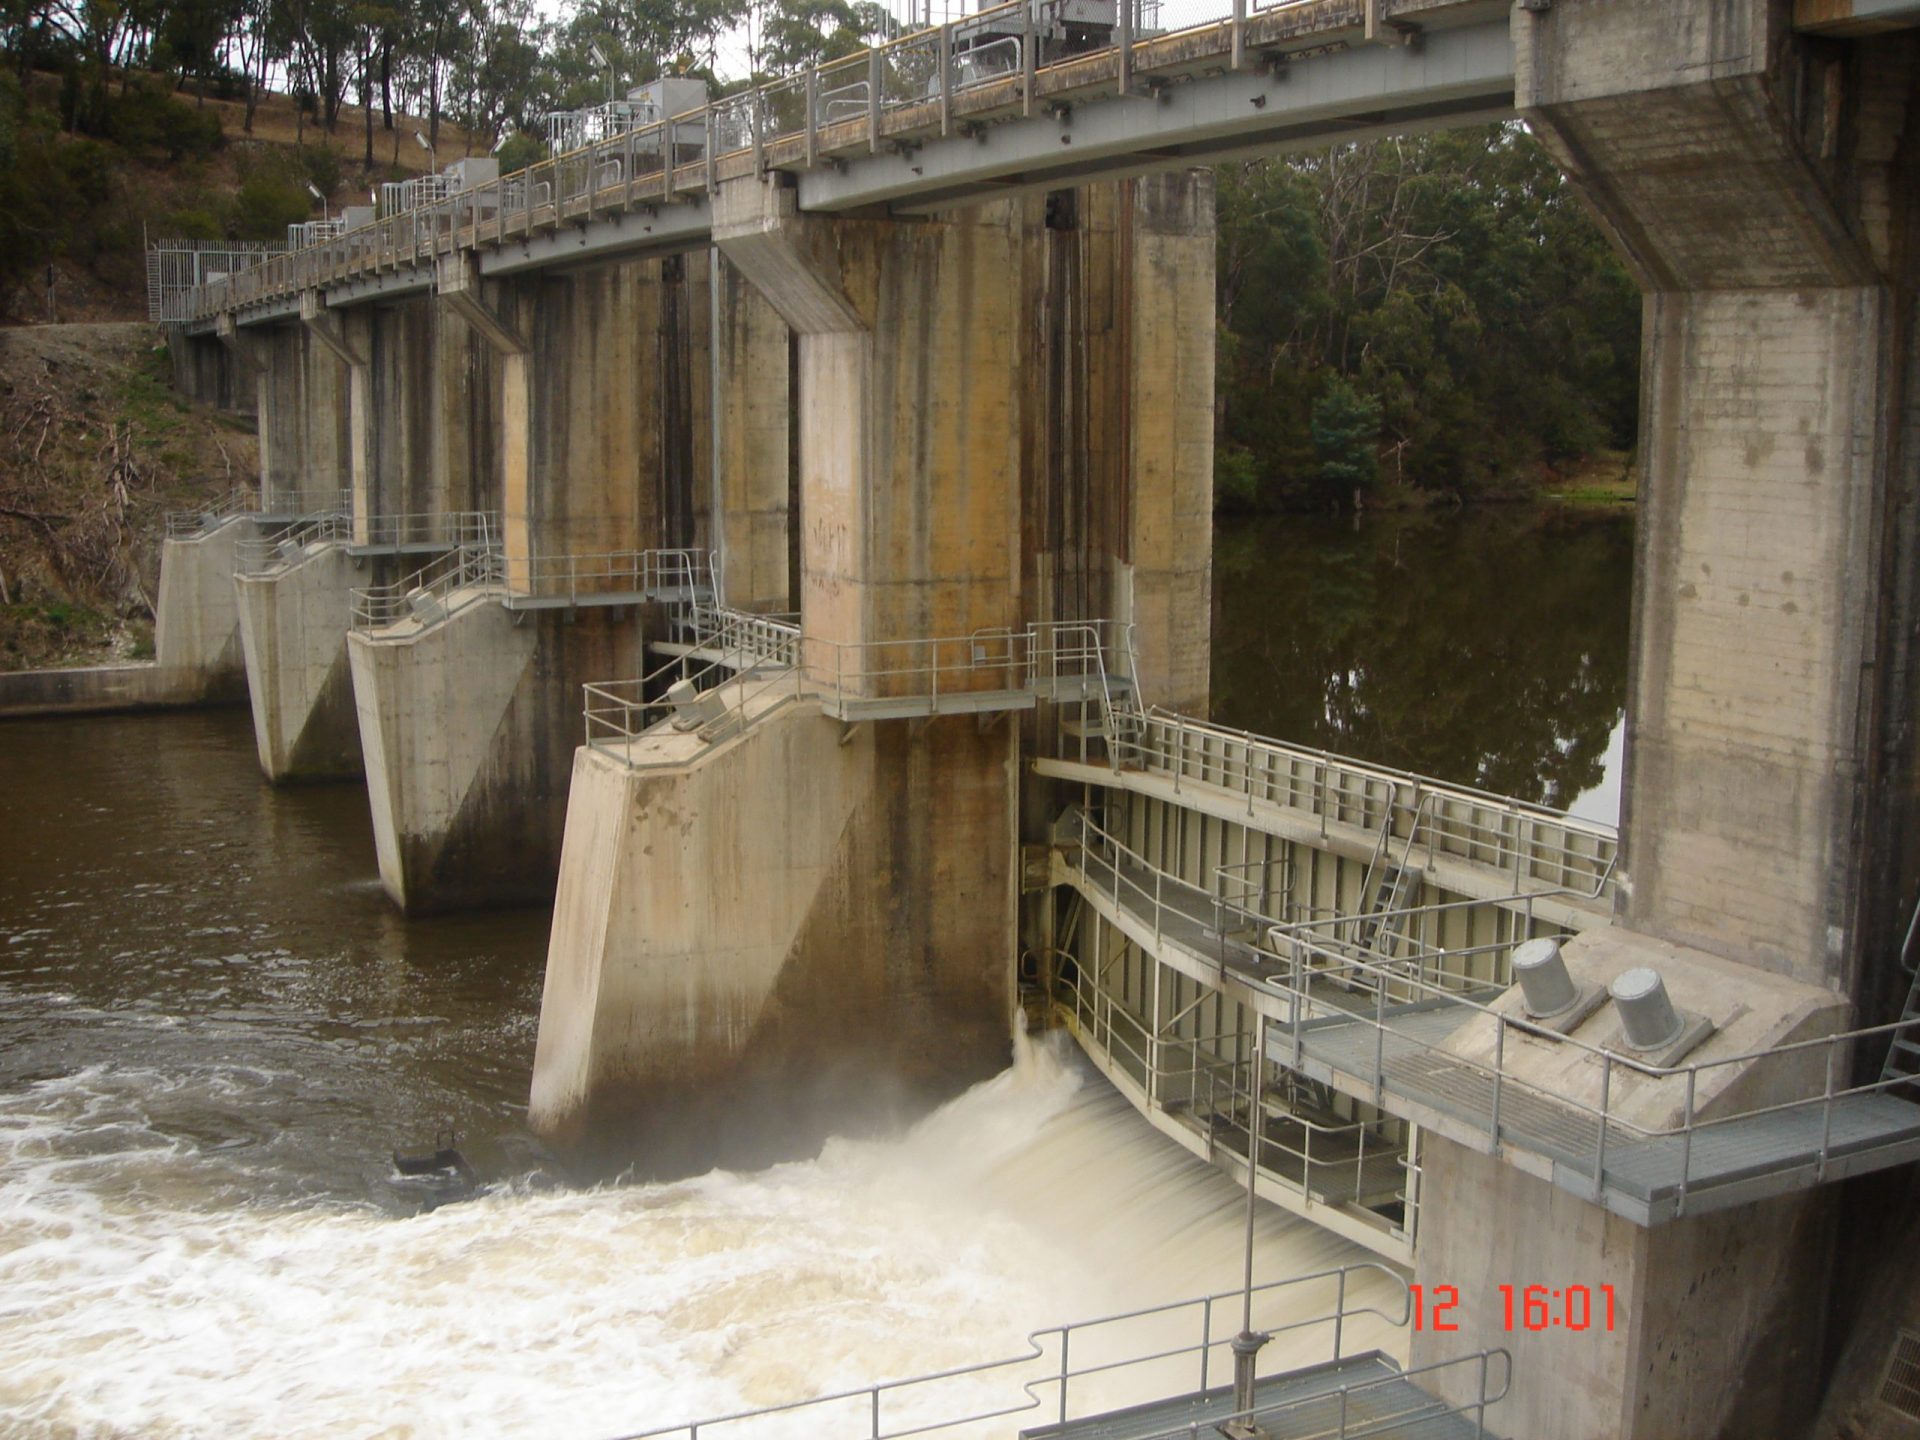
[1903,1055]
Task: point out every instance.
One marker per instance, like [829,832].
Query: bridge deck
[1379,1402]
[1405,1069]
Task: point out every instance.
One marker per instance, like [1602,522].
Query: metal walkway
[1362,1395]
[1644,1178]
[1391,1032]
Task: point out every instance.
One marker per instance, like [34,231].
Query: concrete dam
[778,531]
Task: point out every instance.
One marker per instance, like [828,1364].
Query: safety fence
[1067,1369]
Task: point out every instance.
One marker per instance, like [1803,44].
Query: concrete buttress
[757,938]
[468,720]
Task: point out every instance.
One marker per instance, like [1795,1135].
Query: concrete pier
[1751,178]
[460,723]
[758,937]
[794,930]
[596,451]
[293,626]
[196,621]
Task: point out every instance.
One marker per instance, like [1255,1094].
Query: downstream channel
[213,1029]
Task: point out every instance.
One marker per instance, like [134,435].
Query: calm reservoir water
[213,1029]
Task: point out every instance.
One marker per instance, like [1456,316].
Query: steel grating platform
[1380,1403]
[1649,1180]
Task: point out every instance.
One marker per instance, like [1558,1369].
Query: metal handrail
[256,555]
[1062,1375]
[1437,964]
[1395,989]
[469,567]
[1302,959]
[913,85]
[1335,787]
[1351,1426]
[483,565]
[185,524]
[1038,658]
[1231,1093]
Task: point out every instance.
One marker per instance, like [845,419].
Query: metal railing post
[1340,1315]
[1239,61]
[1826,1116]
[813,123]
[1686,1145]
[943,48]
[1066,1336]
[1600,1140]
[873,101]
[1206,1339]
[1124,43]
[1499,1074]
[713,143]
[1380,1042]
[1029,64]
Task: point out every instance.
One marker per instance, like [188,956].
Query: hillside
[160,164]
[95,448]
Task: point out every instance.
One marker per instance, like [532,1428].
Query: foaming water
[142,1296]
[212,1028]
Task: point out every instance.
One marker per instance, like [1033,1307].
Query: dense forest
[1431,316]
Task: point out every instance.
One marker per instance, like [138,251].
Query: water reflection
[1487,647]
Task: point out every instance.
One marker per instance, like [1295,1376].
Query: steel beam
[1452,76]
[683,225]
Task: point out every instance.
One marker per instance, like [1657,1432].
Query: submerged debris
[439,1177]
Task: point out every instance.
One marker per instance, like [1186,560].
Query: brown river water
[213,1029]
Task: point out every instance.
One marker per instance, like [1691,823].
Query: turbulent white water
[144,1292]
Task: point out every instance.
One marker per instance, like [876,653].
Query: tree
[1346,428]
[1449,278]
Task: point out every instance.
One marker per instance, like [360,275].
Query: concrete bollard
[426,606]
[1647,1017]
[1546,988]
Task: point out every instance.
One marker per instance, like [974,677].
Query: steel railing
[1046,1372]
[1217,1095]
[566,577]
[481,567]
[428,593]
[1357,1405]
[1232,931]
[1326,976]
[1419,815]
[188,524]
[904,676]
[930,83]
[755,655]
[1600,1092]
[257,555]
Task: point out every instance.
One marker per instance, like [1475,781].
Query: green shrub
[1346,434]
[1236,479]
[321,164]
[147,120]
[266,205]
[194,224]
[519,152]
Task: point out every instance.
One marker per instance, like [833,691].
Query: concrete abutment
[1760,185]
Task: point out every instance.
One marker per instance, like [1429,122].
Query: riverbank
[95,448]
